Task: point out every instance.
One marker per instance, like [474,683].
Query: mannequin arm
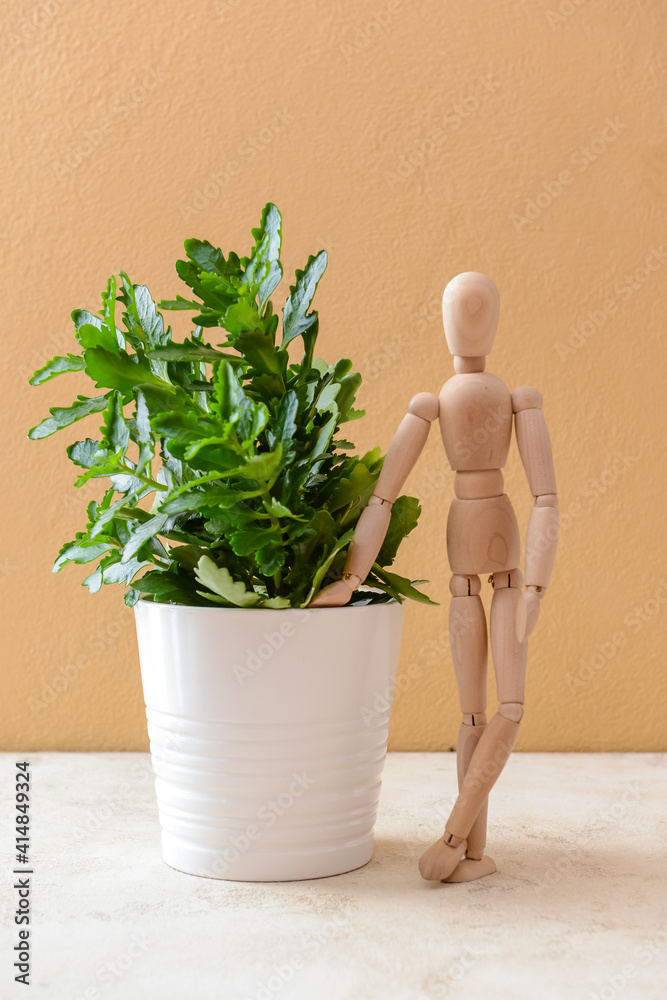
[406,447]
[542,535]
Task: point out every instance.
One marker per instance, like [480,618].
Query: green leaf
[109,310]
[106,466]
[206,256]
[187,556]
[325,563]
[116,571]
[325,433]
[219,580]
[56,366]
[270,557]
[296,318]
[283,428]
[82,316]
[112,570]
[404,517]
[63,416]
[142,534]
[150,319]
[212,499]
[275,602]
[104,516]
[140,428]
[178,303]
[80,551]
[349,386]
[258,348]
[323,528]
[94,581]
[87,453]
[263,270]
[262,467]
[350,488]
[251,539]
[90,336]
[170,588]
[241,317]
[117,433]
[232,405]
[280,510]
[120,371]
[400,586]
[188,351]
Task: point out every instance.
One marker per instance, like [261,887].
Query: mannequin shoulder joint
[424,405]
[526,398]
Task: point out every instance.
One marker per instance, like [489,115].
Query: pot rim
[392,602]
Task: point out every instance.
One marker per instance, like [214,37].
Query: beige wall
[408,139]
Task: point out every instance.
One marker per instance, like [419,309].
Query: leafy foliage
[227,483]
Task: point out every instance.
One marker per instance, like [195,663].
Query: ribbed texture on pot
[272,773]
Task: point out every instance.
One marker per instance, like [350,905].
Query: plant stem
[144,479]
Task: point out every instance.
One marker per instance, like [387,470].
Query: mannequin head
[470,306]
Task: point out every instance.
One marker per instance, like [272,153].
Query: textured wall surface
[412,140]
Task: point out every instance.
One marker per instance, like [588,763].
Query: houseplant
[231,499]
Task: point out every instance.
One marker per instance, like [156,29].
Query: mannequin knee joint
[464,586]
[511,710]
[509,578]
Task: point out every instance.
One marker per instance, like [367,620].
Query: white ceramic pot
[268,734]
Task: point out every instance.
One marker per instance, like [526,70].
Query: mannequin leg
[468,645]
[495,745]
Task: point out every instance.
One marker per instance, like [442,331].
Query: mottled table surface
[578,907]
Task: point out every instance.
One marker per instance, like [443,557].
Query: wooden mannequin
[475,410]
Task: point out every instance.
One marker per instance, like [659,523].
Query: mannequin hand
[336,594]
[527,612]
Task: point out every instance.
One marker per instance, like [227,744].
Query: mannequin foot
[440,860]
[469,869]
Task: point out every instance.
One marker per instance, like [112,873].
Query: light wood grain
[482,536]
[532,438]
[476,421]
